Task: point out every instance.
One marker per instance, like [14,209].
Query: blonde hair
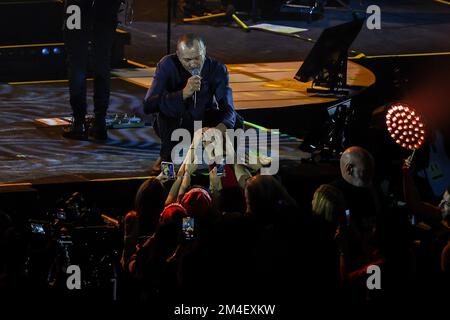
[328,202]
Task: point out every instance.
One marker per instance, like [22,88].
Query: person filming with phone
[189,86]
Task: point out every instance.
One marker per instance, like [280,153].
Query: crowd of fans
[244,238]
[251,240]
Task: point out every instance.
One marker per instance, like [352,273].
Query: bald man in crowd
[357,167]
[357,184]
[189,86]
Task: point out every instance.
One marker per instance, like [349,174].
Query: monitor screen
[332,43]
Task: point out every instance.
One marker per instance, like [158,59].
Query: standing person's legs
[104,26]
[76,43]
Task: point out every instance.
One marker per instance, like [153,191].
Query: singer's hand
[193,84]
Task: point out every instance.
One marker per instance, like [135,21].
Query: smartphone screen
[168,169]
[220,169]
[37,228]
[61,215]
[188,228]
[347,217]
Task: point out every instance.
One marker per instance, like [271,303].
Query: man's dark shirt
[358,200]
[165,95]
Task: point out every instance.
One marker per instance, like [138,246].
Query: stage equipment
[406,127]
[330,142]
[126,12]
[326,64]
[113,121]
[75,234]
[230,13]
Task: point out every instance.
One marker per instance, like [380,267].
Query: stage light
[56,50]
[405,126]
[45,51]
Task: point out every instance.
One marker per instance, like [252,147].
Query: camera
[74,233]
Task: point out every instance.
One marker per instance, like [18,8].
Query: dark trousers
[164,126]
[98,25]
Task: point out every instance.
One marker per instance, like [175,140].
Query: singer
[189,86]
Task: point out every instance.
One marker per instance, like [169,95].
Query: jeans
[98,25]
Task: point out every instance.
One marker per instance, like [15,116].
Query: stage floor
[39,155]
[33,154]
[266,85]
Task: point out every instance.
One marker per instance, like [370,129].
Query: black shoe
[98,129]
[76,130]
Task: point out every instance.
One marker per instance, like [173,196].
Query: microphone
[195,72]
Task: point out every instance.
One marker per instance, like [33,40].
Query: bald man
[362,196]
[357,167]
[189,86]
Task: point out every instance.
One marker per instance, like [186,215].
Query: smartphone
[188,228]
[61,215]
[37,228]
[347,217]
[220,169]
[168,169]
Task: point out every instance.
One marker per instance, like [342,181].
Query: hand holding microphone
[192,86]
[196,73]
